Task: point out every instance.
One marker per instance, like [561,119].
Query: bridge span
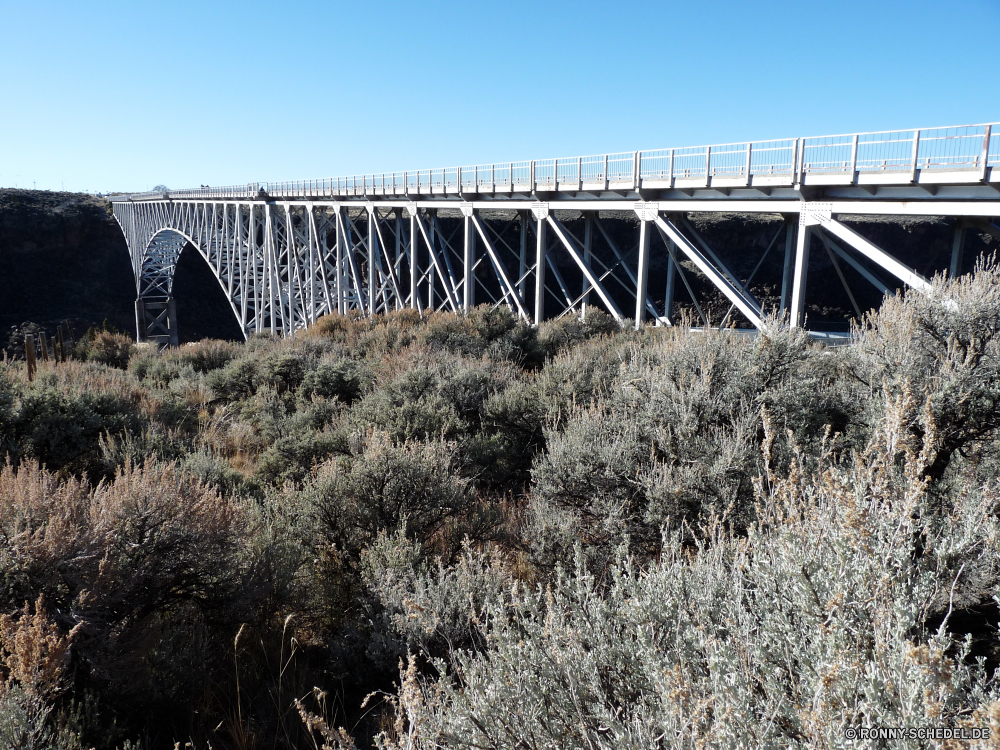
[552,237]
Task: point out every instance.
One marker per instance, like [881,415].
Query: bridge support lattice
[537,236]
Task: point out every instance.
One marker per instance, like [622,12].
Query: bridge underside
[284,263]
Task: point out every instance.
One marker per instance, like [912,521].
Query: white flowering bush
[810,623]
[425,605]
[945,347]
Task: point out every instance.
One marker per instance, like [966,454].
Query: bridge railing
[956,147]
[773,157]
[593,168]
[964,147]
[249,191]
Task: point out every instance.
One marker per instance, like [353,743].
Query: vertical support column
[398,219]
[270,253]
[540,269]
[140,321]
[156,321]
[588,242]
[668,295]
[799,278]
[266,313]
[372,257]
[432,214]
[340,260]
[786,275]
[172,321]
[957,248]
[414,276]
[237,275]
[468,260]
[642,275]
[254,254]
[355,290]
[522,267]
[313,274]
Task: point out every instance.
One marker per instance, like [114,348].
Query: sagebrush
[430,531]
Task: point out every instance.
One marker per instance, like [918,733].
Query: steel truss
[283,264]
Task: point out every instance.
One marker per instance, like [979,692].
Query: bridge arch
[156,314]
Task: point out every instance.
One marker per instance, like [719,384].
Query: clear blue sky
[121,96]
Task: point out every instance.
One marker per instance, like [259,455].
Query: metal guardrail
[963,147]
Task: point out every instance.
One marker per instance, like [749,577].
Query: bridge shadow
[202,308]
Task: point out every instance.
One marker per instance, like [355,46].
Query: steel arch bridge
[286,253]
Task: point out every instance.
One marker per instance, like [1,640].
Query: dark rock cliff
[63,257]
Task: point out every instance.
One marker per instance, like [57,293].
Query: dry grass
[34,652]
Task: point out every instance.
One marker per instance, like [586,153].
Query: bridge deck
[961,162]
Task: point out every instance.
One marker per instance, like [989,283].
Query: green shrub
[270,414]
[589,478]
[333,325]
[343,379]
[492,323]
[484,329]
[236,380]
[511,435]
[106,348]
[673,431]
[383,485]
[410,407]
[154,440]
[201,357]
[467,388]
[580,374]
[156,369]
[368,338]
[439,399]
[292,457]
[453,333]
[206,355]
[217,473]
[561,333]
[425,605]
[282,371]
[29,722]
[63,430]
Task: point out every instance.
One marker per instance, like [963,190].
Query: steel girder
[283,264]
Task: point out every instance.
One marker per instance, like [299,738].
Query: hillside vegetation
[447,531]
